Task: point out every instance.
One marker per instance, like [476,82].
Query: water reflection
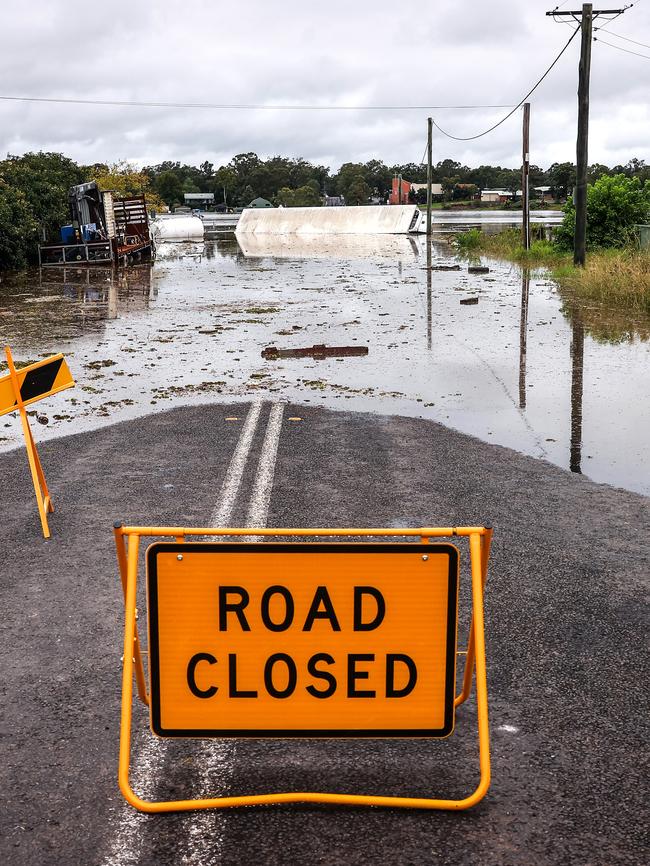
[54,304]
[329,246]
[429,295]
[523,335]
[577,367]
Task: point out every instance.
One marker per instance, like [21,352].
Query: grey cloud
[449,51]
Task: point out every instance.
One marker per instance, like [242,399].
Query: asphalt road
[566,610]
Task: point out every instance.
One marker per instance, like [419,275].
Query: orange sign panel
[300,639]
[35,382]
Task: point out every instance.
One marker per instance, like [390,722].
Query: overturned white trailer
[380,219]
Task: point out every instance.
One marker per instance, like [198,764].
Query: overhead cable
[246,106]
[519,104]
[620,48]
[625,38]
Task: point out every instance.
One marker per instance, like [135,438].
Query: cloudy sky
[338,52]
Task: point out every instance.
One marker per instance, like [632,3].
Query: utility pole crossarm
[574,12]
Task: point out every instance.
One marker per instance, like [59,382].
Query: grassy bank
[618,278]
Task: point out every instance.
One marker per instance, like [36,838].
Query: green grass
[612,291]
[507,245]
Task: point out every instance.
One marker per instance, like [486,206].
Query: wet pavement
[564,628]
[501,355]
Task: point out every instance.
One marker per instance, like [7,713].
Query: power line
[620,48]
[625,38]
[519,104]
[245,106]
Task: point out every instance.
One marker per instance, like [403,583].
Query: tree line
[34,187]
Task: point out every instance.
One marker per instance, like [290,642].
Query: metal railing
[68,254]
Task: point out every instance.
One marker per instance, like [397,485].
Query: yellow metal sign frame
[127,540]
[43,498]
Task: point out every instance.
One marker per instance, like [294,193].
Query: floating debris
[468,301]
[478,269]
[316,352]
[442,268]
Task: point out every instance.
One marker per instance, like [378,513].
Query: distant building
[545,193]
[436,189]
[259,202]
[395,197]
[334,201]
[198,199]
[496,196]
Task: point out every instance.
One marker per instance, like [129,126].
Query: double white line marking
[258,507]
[205,831]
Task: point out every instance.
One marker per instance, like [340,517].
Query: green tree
[614,205]
[304,196]
[169,187]
[358,191]
[510,179]
[18,228]
[536,176]
[379,177]
[44,180]
[124,180]
[562,178]
[448,187]
[595,171]
[225,184]
[485,176]
[347,175]
[190,186]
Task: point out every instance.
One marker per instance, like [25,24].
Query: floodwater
[500,355]
[448,221]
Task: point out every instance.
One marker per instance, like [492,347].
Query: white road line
[127,844]
[258,507]
[215,758]
[202,844]
[232,481]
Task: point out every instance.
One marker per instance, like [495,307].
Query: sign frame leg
[468,672]
[43,499]
[122,561]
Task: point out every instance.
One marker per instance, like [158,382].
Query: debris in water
[316,352]
[442,268]
[468,301]
[478,269]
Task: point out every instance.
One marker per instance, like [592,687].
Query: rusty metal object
[317,352]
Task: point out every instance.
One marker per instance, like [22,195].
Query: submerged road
[566,620]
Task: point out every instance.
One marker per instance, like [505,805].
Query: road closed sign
[312,640]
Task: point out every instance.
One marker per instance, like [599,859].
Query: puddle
[499,355]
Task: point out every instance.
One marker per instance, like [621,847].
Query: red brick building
[394,197]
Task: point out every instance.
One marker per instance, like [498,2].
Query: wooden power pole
[525,171]
[429,172]
[582,163]
[586,19]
